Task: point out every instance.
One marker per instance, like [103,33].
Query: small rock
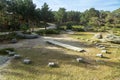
[97,44]
[98,36]
[14,40]
[11,53]
[79,60]
[52,64]
[17,56]
[102,48]
[26,61]
[104,51]
[99,55]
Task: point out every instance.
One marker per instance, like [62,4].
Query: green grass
[116,31]
[82,35]
[69,69]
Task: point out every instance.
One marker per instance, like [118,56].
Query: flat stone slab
[65,45]
[3,59]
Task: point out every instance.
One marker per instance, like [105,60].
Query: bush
[3,51]
[48,31]
[69,25]
[7,36]
[62,27]
[24,27]
[78,28]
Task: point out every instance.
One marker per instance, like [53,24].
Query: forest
[23,14]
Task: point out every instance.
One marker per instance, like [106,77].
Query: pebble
[104,51]
[79,60]
[51,64]
[99,55]
[17,56]
[26,61]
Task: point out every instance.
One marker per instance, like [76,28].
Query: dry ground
[107,68]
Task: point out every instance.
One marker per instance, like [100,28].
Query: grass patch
[82,35]
[69,69]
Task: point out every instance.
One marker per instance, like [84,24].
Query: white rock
[97,44]
[98,36]
[51,64]
[104,51]
[14,40]
[8,51]
[26,61]
[11,53]
[79,59]
[102,48]
[99,55]
[17,56]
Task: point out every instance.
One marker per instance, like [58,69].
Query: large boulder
[112,38]
[98,36]
[27,36]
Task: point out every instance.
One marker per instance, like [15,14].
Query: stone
[8,51]
[79,60]
[14,40]
[11,53]
[112,38]
[104,51]
[98,36]
[52,64]
[103,48]
[3,59]
[17,56]
[26,61]
[27,36]
[97,44]
[99,55]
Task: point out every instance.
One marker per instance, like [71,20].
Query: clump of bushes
[3,51]
[78,28]
[48,31]
[24,27]
[69,25]
[7,36]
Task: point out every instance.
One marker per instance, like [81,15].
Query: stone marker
[104,51]
[99,55]
[11,53]
[26,61]
[52,64]
[98,36]
[79,60]
[16,56]
[102,48]
[14,40]
[97,44]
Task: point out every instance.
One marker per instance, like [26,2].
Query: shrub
[62,27]
[7,36]
[69,25]
[3,51]
[48,31]
[78,28]
[24,27]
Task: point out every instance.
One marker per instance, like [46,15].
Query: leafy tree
[61,15]
[46,14]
